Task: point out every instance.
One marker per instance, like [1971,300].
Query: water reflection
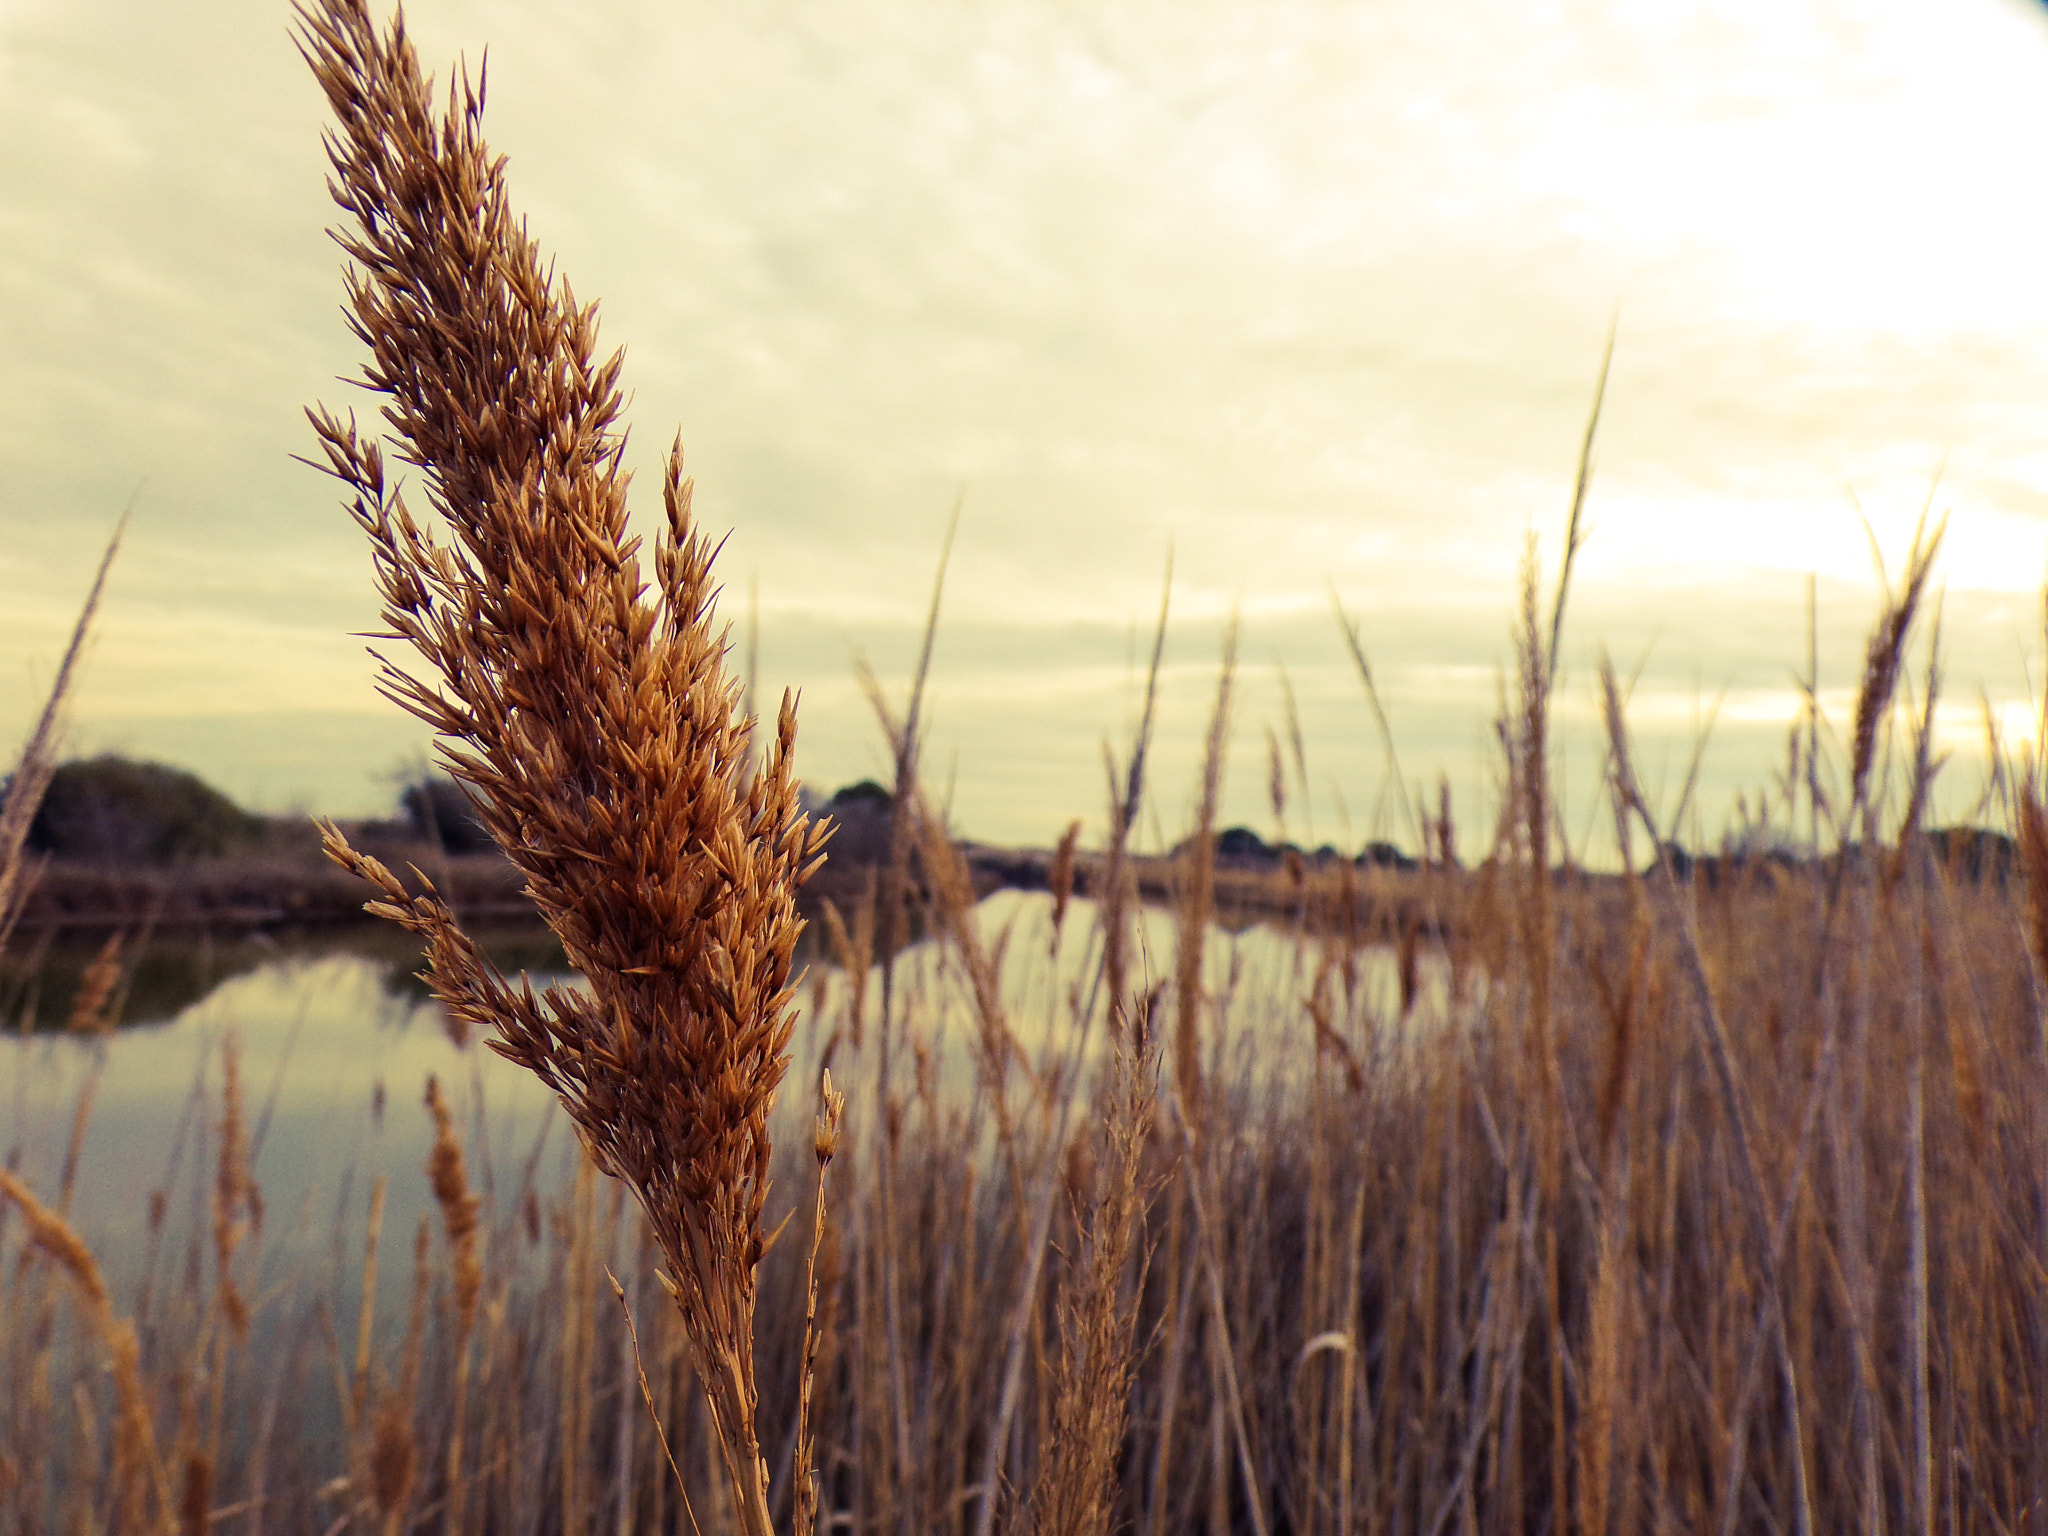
[332,1064]
[166,977]
[335,1044]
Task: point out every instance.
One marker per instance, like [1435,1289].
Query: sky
[1308,297]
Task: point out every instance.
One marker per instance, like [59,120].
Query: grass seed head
[586,708]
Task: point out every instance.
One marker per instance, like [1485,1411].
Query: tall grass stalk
[38,760]
[593,724]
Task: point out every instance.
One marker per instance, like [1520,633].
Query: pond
[333,1044]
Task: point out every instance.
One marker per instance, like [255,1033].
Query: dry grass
[1378,1288]
[594,726]
[138,1479]
[31,776]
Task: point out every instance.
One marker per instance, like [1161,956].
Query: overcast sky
[1313,294]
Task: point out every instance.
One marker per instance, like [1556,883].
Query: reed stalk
[1077,1490]
[38,760]
[593,724]
[825,1144]
[141,1479]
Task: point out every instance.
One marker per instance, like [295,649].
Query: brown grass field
[1633,1203]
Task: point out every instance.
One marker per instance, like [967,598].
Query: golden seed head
[394,1457]
[578,687]
[832,1102]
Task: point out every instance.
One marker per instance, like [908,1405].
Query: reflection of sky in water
[319,1040]
[1256,978]
[322,1040]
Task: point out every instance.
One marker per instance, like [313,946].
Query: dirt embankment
[249,893]
[289,885]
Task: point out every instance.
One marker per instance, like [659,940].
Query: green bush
[111,810]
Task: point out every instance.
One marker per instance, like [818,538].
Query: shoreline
[291,888]
[296,890]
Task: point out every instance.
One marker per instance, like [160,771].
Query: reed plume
[1884,654]
[31,776]
[449,1177]
[592,722]
[139,1470]
[1076,1492]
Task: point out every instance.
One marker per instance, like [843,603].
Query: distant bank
[146,848]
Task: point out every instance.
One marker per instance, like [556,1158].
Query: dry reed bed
[1379,1246]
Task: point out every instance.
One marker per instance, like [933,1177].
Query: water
[335,1043]
[332,1065]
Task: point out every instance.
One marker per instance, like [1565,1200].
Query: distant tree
[1241,845]
[865,792]
[1676,858]
[113,810]
[1975,854]
[863,816]
[439,811]
[1384,855]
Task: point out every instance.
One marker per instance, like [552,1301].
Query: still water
[334,1045]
